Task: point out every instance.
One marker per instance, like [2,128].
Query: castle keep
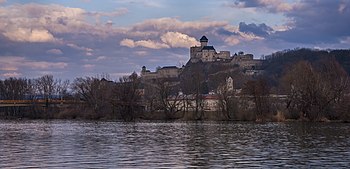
[207,53]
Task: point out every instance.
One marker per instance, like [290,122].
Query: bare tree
[194,83]
[95,93]
[46,87]
[150,97]
[227,103]
[169,97]
[258,91]
[13,88]
[127,97]
[313,91]
[62,88]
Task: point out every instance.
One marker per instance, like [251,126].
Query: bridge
[44,103]
[27,103]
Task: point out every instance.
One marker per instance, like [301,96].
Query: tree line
[91,97]
[313,90]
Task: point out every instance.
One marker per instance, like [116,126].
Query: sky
[78,38]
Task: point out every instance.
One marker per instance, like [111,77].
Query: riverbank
[87,114]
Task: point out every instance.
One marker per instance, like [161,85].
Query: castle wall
[208,55]
[223,55]
[165,72]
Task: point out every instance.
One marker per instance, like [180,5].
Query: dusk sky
[77,38]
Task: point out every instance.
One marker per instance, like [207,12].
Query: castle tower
[144,70]
[204,41]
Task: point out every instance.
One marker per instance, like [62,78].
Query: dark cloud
[309,21]
[259,30]
[222,31]
[274,6]
[247,3]
[318,22]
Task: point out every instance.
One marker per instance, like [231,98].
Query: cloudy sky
[77,38]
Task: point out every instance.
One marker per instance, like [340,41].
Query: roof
[169,67]
[208,48]
[204,39]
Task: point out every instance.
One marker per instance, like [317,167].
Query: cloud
[270,5]
[259,30]
[342,7]
[99,58]
[232,41]
[143,43]
[54,51]
[169,39]
[143,3]
[41,23]
[45,65]
[307,21]
[11,63]
[87,51]
[177,39]
[28,35]
[173,24]
[151,44]
[226,32]
[128,43]
[41,19]
[141,53]
[89,66]
[310,26]
[11,74]
[116,13]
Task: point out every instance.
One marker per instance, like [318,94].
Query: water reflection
[87,144]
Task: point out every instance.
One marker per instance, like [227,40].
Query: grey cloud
[308,21]
[246,3]
[318,22]
[269,5]
[259,30]
[222,31]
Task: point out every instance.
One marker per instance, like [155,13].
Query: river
[97,144]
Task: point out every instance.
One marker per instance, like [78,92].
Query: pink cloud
[54,51]
[11,74]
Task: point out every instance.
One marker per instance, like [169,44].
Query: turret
[204,41]
[144,70]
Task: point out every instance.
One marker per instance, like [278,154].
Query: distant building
[247,61]
[207,53]
[164,72]
[209,103]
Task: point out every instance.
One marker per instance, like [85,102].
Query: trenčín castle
[208,54]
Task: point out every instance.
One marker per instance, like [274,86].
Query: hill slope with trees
[278,63]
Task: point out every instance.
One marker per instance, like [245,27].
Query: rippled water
[86,144]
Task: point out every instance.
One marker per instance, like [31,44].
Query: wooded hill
[278,63]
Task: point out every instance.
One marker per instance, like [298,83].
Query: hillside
[208,76]
[277,63]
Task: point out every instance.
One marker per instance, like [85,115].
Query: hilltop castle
[207,54]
